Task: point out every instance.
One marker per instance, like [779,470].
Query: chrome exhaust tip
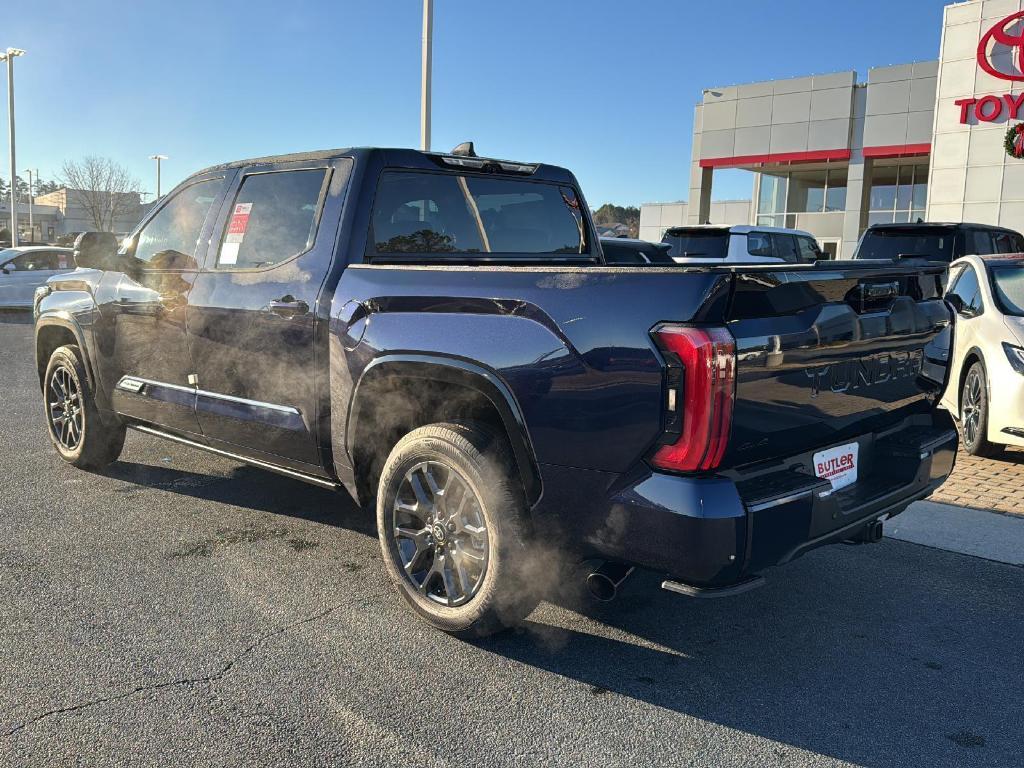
[605,580]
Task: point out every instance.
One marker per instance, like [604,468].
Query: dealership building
[832,154]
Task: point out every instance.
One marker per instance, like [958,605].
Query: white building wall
[655,218]
[972,177]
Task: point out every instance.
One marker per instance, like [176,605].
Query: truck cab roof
[398,157]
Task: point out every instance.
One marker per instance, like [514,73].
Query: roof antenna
[465,149]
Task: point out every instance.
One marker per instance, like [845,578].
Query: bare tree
[106,190]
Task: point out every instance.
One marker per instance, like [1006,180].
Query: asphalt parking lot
[181,609]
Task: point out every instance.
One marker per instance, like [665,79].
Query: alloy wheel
[441,534]
[65,408]
[972,408]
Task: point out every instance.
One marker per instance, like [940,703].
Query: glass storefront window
[806,192]
[920,187]
[772,198]
[835,195]
[883,189]
[821,191]
[898,194]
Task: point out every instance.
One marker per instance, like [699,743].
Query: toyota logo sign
[1002,34]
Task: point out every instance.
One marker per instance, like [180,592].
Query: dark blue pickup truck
[441,336]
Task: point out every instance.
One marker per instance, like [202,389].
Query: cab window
[273,218]
[169,239]
[456,214]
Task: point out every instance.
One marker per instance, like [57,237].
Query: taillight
[701,375]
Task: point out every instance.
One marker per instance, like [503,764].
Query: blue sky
[605,88]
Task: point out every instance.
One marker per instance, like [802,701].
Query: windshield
[697,244]
[1008,289]
[935,245]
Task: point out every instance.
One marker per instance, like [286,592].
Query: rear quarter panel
[571,344]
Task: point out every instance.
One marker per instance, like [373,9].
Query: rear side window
[809,250]
[760,244]
[447,213]
[1007,242]
[785,247]
[273,218]
[697,244]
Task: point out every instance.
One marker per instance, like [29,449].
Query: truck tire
[974,414]
[454,529]
[82,435]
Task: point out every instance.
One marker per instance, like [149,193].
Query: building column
[858,201]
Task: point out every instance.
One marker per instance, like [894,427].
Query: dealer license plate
[837,465]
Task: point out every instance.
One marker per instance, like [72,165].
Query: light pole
[158,158]
[31,226]
[428,34]
[9,56]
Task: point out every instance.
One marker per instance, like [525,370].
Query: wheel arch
[973,356]
[398,393]
[56,330]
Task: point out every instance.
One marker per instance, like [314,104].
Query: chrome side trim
[135,384]
[244,459]
[1015,431]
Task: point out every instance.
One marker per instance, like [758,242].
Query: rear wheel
[453,529]
[82,435]
[974,414]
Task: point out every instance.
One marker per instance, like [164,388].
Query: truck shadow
[249,488]
[886,655]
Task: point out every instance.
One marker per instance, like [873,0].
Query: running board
[323,483]
[708,592]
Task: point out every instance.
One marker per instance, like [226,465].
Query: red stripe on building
[898,150]
[817,156]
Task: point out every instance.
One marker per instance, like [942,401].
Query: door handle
[286,306]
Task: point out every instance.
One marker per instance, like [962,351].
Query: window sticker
[236,233]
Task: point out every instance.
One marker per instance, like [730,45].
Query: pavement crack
[183,681]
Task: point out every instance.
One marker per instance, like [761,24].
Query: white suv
[709,244]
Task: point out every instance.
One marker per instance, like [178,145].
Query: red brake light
[703,409]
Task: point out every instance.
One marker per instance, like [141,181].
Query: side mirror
[96,250]
[5,269]
[960,306]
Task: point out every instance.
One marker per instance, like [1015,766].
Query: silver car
[986,380]
[22,270]
[741,244]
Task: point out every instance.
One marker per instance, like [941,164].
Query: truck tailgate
[830,352]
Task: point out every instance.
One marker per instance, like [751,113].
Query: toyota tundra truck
[440,337]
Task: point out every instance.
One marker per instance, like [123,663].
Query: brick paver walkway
[986,483]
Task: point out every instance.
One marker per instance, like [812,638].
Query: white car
[22,270]
[986,380]
[742,244]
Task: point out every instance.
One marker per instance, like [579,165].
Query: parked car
[936,242]
[621,250]
[986,383]
[709,244]
[24,269]
[438,336]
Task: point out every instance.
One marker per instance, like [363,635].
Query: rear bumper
[717,531]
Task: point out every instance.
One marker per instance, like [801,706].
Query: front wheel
[454,530]
[974,414]
[83,436]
